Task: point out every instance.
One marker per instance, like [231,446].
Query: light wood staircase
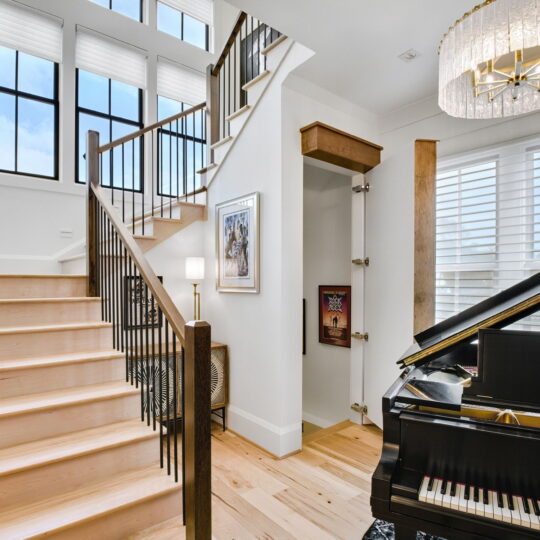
[76,462]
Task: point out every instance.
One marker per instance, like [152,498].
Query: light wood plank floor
[320,493]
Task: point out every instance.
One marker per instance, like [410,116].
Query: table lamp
[195,271]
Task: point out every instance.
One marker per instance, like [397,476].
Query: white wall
[34,210]
[390,227]
[327,261]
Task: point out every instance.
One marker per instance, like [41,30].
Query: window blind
[110,58]
[203,10]
[487,225]
[31,31]
[180,83]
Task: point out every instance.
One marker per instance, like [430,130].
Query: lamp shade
[194,267]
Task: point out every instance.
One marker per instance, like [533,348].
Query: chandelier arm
[497,94]
[502,87]
[532,68]
[535,86]
[483,83]
[509,77]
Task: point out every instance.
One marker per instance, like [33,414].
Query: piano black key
[536,508]
[467,492]
[453,489]
[499,499]
[510,503]
[526,506]
[476,494]
[443,487]
[430,484]
[486,496]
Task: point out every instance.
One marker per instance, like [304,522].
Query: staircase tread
[58,359]
[50,450]
[59,327]
[221,142]
[144,237]
[65,397]
[84,504]
[274,44]
[59,300]
[237,113]
[167,220]
[255,80]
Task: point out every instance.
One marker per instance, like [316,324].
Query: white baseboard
[317,420]
[279,441]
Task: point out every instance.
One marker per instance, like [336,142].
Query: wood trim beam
[425,170]
[326,143]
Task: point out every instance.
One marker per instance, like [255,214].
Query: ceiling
[357,43]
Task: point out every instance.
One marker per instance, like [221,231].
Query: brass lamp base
[196,303]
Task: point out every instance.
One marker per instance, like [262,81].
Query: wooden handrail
[151,127]
[230,42]
[162,298]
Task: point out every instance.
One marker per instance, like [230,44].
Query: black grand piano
[461,454]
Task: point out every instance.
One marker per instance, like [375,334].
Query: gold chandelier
[489,65]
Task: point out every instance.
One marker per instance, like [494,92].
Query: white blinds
[180,83]
[110,58]
[30,31]
[203,10]
[487,225]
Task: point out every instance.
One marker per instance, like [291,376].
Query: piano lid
[500,310]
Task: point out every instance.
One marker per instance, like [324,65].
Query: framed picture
[138,309]
[335,315]
[237,244]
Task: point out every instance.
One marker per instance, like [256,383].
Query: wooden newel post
[92,179]
[197,452]
[212,111]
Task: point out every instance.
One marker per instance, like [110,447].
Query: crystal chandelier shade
[489,65]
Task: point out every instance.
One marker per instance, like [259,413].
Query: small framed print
[237,244]
[139,312]
[335,315]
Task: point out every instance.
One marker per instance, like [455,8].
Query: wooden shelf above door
[329,144]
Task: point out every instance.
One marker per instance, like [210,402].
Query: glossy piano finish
[470,436]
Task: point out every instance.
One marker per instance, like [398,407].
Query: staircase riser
[274,57]
[33,314]
[50,480]
[40,287]
[221,151]
[33,381]
[50,343]
[122,523]
[237,123]
[76,266]
[21,428]
[255,92]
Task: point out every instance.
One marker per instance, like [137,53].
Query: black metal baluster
[170,171]
[117,266]
[175,407]
[129,307]
[153,163]
[141,183]
[160,179]
[141,341]
[101,260]
[123,188]
[177,164]
[167,396]
[109,287]
[125,324]
[182,388]
[149,316]
[235,79]
[193,164]
[222,73]
[246,47]
[133,186]
[160,314]
[113,286]
[155,323]
[133,300]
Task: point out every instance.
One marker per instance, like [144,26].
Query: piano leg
[404,533]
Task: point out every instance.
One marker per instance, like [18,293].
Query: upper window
[487,226]
[28,114]
[182,26]
[130,8]
[113,109]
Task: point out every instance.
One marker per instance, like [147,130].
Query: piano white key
[446,497]
[471,505]
[462,500]
[422,494]
[497,512]
[506,515]
[454,501]
[525,519]
[430,497]
[516,516]
[492,499]
[535,520]
[479,506]
[438,494]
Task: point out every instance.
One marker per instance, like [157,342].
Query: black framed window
[130,8]
[182,26]
[113,109]
[181,148]
[28,114]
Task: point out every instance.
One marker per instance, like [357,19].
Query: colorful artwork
[335,315]
[237,238]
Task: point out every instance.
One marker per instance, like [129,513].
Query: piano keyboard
[514,509]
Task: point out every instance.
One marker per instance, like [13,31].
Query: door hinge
[358,335]
[361,262]
[361,188]
[362,409]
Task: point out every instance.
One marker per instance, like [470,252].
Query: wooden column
[425,170]
[197,406]
[212,112]
[92,179]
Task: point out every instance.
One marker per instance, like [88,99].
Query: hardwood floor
[320,493]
